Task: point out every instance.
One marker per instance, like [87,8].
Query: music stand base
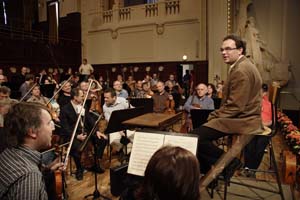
[96,195]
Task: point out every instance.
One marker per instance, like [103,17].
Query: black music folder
[47,90]
[118,116]
[199,117]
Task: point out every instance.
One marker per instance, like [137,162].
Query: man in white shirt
[112,103]
[85,68]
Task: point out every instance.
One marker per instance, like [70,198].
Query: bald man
[199,100]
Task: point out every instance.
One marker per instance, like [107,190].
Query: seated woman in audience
[172,173]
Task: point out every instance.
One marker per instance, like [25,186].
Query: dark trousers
[254,151]
[99,145]
[208,153]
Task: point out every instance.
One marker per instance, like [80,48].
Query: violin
[96,103]
[57,185]
[170,105]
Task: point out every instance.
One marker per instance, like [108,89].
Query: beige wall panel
[136,45]
[99,48]
[178,40]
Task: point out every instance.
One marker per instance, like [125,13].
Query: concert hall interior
[115,81]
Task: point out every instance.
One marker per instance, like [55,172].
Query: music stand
[147,103]
[47,90]
[118,116]
[199,117]
[217,102]
[96,194]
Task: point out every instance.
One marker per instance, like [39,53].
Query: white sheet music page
[144,146]
[188,143]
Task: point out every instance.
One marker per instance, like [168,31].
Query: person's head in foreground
[172,173]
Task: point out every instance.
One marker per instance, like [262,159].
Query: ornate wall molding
[160,28]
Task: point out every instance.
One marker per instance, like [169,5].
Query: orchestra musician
[161,99]
[25,87]
[36,96]
[147,92]
[65,94]
[112,103]
[68,117]
[28,131]
[199,100]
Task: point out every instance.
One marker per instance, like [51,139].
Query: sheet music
[188,143]
[144,146]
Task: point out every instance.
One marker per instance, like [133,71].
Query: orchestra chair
[237,147]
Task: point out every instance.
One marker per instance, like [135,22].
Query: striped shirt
[20,177]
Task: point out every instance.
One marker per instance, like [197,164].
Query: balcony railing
[160,9]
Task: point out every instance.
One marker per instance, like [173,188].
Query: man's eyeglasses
[227,49]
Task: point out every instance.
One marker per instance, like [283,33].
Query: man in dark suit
[240,111]
[68,117]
